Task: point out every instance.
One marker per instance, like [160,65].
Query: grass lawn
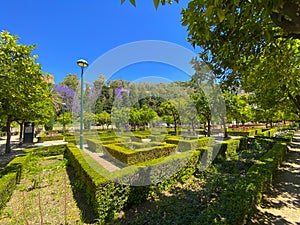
[45,196]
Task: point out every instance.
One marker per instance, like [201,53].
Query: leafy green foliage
[24,93]
[155,2]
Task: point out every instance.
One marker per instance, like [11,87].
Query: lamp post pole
[63,119]
[82,63]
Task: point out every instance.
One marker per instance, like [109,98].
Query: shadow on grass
[181,206]
[87,214]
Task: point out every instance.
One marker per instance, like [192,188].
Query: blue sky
[66,31]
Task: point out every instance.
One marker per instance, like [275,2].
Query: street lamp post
[63,119]
[82,63]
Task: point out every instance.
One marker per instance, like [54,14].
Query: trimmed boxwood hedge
[12,173]
[238,201]
[42,139]
[106,197]
[132,157]
[229,147]
[10,176]
[185,145]
[242,133]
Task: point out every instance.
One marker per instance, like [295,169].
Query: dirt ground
[281,204]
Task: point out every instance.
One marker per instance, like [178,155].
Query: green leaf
[122,1]
[209,11]
[156,3]
[221,15]
[133,2]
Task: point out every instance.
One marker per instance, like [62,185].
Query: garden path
[281,204]
[108,164]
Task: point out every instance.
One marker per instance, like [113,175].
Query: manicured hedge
[70,139]
[238,201]
[106,197]
[185,145]
[48,150]
[12,173]
[229,147]
[42,139]
[132,157]
[176,168]
[96,145]
[7,186]
[10,176]
[242,133]
[287,138]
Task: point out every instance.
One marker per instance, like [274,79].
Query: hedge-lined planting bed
[185,145]
[286,136]
[176,168]
[10,176]
[97,145]
[229,147]
[42,139]
[244,133]
[12,173]
[106,197]
[131,157]
[239,199]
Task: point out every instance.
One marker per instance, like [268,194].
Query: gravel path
[281,204]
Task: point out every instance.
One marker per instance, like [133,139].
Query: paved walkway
[107,163]
[281,205]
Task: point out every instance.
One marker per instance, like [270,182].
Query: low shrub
[244,133]
[106,197]
[55,137]
[10,176]
[131,157]
[176,168]
[184,145]
[7,186]
[239,199]
[70,139]
[229,147]
[49,150]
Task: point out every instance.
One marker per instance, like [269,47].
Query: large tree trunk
[8,135]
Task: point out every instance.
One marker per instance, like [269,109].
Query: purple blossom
[119,91]
[67,95]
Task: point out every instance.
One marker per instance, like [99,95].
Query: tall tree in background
[71,81]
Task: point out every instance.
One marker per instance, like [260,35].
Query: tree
[249,40]
[71,81]
[66,117]
[146,114]
[103,118]
[236,35]
[88,120]
[24,93]
[168,109]
[66,95]
[156,2]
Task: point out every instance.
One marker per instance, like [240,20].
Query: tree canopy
[24,93]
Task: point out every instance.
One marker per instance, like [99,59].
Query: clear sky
[66,31]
